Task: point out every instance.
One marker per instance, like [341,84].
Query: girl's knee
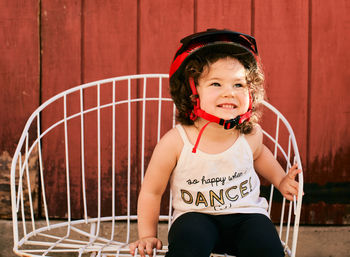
[192,234]
[260,238]
[261,250]
[193,224]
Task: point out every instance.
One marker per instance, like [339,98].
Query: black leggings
[242,235]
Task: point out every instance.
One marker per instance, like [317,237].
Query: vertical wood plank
[61,46]
[19,83]
[224,14]
[61,69]
[162,25]
[329,106]
[19,65]
[110,39]
[281,31]
[110,49]
[329,140]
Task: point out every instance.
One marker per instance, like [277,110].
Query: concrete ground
[313,241]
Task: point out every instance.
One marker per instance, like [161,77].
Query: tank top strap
[183,134]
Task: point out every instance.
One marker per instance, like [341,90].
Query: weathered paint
[110,49]
[5,196]
[329,133]
[328,121]
[19,82]
[61,48]
[303,48]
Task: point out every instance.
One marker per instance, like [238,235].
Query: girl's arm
[161,165]
[268,167]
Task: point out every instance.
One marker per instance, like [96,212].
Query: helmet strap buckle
[229,124]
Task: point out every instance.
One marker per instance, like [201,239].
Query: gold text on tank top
[217,198]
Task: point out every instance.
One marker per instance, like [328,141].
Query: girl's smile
[223,89]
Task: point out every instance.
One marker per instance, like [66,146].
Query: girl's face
[223,89]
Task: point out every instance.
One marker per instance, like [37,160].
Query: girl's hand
[288,186]
[146,246]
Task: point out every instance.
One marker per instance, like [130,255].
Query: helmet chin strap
[198,112]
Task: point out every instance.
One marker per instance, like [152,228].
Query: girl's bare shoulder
[171,141]
[255,134]
[255,140]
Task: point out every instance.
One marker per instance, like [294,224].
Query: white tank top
[222,183]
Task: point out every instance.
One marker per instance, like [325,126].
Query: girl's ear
[194,98]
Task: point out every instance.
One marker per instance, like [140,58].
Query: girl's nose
[228,91]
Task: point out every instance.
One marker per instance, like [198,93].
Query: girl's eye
[216,84]
[238,85]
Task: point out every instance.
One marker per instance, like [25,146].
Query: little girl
[212,156]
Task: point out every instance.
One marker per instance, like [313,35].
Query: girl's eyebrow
[240,79]
[214,78]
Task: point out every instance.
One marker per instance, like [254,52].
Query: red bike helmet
[213,40]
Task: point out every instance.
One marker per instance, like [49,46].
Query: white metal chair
[79,163]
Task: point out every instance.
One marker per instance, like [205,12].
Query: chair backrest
[80,161]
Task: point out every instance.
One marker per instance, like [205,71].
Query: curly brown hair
[181,92]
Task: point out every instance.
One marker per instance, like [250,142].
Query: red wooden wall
[49,46]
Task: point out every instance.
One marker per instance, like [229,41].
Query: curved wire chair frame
[36,229]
